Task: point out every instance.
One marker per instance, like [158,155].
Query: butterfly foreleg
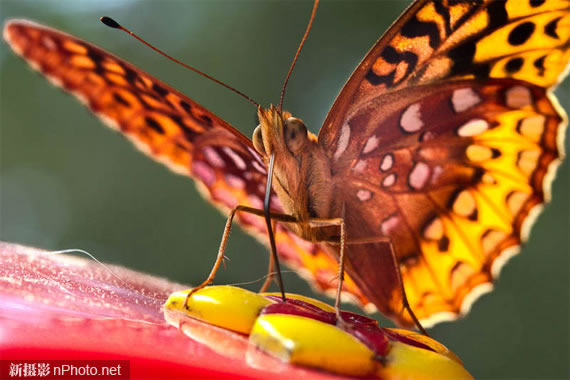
[325,222]
[405,303]
[226,234]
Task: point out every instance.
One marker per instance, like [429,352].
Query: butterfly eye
[258,140]
[295,134]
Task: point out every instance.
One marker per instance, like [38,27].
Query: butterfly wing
[449,138]
[159,120]
[435,41]
[173,129]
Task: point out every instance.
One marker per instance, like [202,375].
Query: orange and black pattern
[451,138]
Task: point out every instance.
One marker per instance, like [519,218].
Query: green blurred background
[68,182]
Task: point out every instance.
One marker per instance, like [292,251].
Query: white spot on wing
[204,172]
[360,166]
[387,162]
[253,152]
[255,155]
[213,157]
[371,144]
[364,195]
[236,158]
[389,180]
[419,175]
[258,167]
[389,224]
[411,120]
[464,98]
[342,141]
[235,181]
[473,128]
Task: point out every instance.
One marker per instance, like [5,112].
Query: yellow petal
[408,362]
[433,344]
[304,341]
[229,307]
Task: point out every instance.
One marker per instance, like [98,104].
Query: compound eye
[258,140]
[295,134]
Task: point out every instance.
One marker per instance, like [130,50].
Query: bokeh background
[68,182]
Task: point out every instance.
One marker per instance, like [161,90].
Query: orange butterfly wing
[446,139]
[435,41]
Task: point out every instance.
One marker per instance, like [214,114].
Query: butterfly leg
[343,243]
[405,303]
[225,236]
[319,223]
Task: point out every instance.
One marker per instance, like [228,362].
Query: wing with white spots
[450,137]
[454,175]
[159,120]
[436,41]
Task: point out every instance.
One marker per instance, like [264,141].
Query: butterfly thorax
[302,173]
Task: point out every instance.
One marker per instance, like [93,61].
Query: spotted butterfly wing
[448,138]
[159,120]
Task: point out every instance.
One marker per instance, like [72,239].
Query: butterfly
[444,140]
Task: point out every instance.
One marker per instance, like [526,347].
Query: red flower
[61,307]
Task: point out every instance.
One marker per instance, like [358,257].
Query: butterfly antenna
[268,222]
[315,4]
[114,24]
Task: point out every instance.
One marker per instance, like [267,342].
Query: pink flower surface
[62,307]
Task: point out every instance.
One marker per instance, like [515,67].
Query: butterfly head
[301,168]
[280,133]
